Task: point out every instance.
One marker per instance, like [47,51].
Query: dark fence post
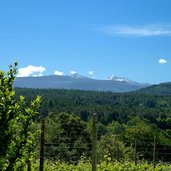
[154,152]
[117,155]
[135,152]
[42,141]
[94,142]
[117,150]
[29,165]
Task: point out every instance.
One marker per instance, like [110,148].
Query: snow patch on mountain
[117,78]
[78,76]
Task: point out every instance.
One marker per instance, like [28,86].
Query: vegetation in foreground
[17,135]
[106,165]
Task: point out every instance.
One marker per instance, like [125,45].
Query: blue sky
[96,38]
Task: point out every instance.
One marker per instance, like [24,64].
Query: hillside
[160,89]
[127,115]
[77,82]
[109,106]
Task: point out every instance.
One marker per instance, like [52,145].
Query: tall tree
[67,138]
[17,139]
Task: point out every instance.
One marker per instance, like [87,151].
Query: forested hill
[130,116]
[109,106]
[160,89]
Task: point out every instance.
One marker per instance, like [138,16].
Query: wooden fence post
[135,152]
[154,152]
[94,142]
[29,165]
[42,141]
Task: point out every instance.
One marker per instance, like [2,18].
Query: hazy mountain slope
[76,82]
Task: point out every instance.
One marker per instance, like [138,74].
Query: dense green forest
[129,116]
[120,107]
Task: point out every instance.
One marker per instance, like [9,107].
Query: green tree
[117,129]
[67,138]
[16,117]
[111,146]
[143,133]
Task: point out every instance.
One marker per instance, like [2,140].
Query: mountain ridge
[77,82]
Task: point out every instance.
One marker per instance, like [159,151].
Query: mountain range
[78,82]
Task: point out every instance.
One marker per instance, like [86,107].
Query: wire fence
[71,142]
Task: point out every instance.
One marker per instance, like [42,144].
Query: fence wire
[69,143]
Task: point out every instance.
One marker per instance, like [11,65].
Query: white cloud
[162,61]
[141,31]
[58,73]
[90,72]
[31,70]
[39,75]
[73,72]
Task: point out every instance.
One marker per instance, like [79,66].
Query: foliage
[130,116]
[16,119]
[111,147]
[162,89]
[109,106]
[107,165]
[67,138]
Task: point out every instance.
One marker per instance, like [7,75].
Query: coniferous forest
[138,115]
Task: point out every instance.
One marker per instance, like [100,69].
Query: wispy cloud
[90,72]
[58,73]
[162,61]
[31,70]
[73,72]
[140,31]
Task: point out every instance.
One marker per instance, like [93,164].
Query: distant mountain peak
[77,76]
[117,78]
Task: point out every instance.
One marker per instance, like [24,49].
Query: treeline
[109,106]
[161,89]
[129,116]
